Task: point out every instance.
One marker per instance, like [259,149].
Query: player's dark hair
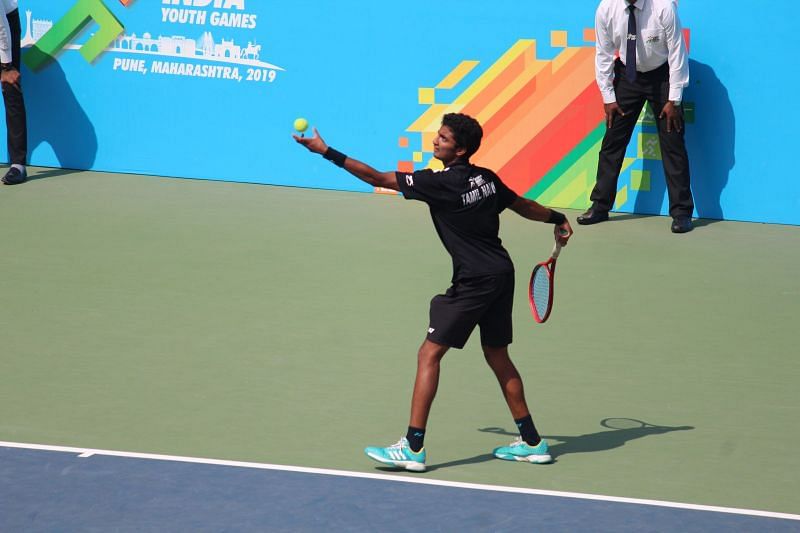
[466,131]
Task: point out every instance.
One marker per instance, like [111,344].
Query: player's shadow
[710,142]
[56,118]
[598,441]
[612,437]
[482,458]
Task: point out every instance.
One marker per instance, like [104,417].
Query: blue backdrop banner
[210,89]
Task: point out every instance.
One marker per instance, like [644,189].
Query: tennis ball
[300,124]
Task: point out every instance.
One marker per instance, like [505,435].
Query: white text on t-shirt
[484,191]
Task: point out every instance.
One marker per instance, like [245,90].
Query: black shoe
[15,176]
[592,216]
[681,224]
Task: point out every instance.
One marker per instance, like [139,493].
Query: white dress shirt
[659,40]
[5,32]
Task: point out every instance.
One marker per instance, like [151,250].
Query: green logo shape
[66,29]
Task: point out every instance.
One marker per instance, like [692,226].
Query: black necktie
[630,51]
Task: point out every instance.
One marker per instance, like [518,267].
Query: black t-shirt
[465,202]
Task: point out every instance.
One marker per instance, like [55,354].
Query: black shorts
[484,301]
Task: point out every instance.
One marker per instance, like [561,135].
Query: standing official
[16,121]
[652,67]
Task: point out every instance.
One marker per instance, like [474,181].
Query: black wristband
[335,156]
[7,66]
[556,218]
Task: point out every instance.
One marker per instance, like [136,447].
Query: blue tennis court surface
[47,490]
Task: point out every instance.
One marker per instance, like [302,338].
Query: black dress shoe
[681,224]
[15,176]
[592,216]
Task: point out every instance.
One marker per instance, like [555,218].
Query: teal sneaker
[519,450]
[398,455]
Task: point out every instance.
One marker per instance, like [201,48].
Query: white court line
[88,452]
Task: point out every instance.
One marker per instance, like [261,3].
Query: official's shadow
[710,142]
[55,117]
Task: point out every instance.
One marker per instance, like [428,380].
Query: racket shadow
[599,441]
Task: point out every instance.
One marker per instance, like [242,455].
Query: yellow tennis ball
[300,124]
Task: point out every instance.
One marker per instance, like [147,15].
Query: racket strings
[540,291]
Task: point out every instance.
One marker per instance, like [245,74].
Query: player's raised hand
[314,143]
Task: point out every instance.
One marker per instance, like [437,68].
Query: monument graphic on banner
[45,39]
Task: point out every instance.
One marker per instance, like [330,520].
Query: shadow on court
[482,458]
[51,173]
[622,217]
[619,432]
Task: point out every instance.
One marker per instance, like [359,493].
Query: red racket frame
[550,270]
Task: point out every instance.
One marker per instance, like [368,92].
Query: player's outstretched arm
[536,211]
[355,167]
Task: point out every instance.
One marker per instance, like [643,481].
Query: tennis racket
[540,288]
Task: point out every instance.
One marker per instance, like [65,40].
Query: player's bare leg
[429,358]
[409,452]
[509,379]
[529,447]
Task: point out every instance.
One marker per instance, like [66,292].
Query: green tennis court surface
[279,325]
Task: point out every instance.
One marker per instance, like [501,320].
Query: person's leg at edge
[16,120]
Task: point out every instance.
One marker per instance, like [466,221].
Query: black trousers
[651,87]
[16,119]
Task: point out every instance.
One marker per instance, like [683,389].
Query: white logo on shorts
[431,330]
[410,180]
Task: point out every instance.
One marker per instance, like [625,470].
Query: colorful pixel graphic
[543,123]
[81,15]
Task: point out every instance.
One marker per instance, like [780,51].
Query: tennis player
[465,202]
